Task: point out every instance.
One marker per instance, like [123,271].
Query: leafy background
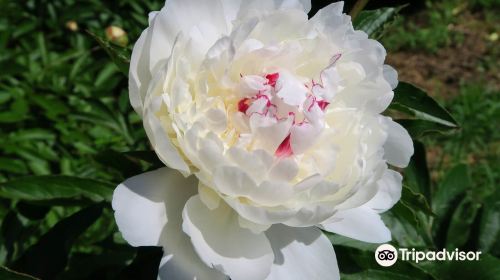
[68,136]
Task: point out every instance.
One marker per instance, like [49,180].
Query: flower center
[284,114]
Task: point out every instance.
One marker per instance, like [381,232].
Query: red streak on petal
[243,105]
[272,78]
[323,104]
[335,58]
[285,149]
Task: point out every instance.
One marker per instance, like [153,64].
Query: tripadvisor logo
[387,255]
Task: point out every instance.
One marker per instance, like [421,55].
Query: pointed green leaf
[49,255]
[461,223]
[415,201]
[412,100]
[118,56]
[455,183]
[373,21]
[376,274]
[488,267]
[35,188]
[9,274]
[489,226]
[421,128]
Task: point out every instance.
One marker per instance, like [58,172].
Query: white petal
[291,90]
[398,148]
[208,196]
[362,195]
[222,244]
[303,136]
[389,192]
[285,169]
[161,142]
[235,182]
[268,135]
[187,265]
[301,253]
[139,204]
[250,85]
[258,7]
[180,260]
[253,227]
[139,75]
[360,223]
[181,16]
[391,75]
[331,22]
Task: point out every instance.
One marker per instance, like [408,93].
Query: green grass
[64,110]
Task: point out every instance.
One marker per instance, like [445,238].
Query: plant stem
[358,7]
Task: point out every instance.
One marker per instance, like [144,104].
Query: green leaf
[417,174]
[94,266]
[405,226]
[412,100]
[18,112]
[461,223]
[455,183]
[489,226]
[36,188]
[49,255]
[118,56]
[8,274]
[421,128]
[145,264]
[488,267]
[372,21]
[415,201]
[149,157]
[13,166]
[376,274]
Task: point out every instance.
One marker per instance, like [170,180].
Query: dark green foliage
[68,136]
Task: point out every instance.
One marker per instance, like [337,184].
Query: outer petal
[222,244]
[180,260]
[139,205]
[139,75]
[391,75]
[148,211]
[399,146]
[161,142]
[360,223]
[389,192]
[181,16]
[301,253]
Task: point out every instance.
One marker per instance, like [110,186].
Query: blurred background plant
[68,136]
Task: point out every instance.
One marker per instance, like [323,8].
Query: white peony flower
[279,120]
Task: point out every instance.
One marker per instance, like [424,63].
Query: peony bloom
[271,127]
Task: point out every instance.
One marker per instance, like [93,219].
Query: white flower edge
[161,208]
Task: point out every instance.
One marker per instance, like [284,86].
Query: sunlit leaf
[372,21]
[420,128]
[412,100]
[55,187]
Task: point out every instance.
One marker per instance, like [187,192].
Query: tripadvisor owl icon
[386,255]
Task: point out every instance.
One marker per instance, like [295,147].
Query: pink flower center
[279,99]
